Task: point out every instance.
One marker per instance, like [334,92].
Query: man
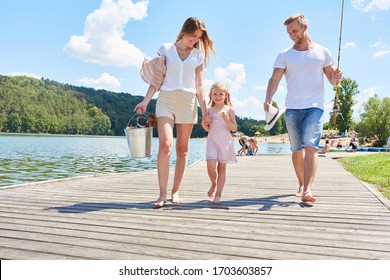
[303,65]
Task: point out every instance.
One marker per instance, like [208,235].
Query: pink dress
[220,146]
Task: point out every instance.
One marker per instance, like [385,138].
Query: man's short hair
[300,17]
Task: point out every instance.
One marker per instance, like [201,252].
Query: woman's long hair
[205,43]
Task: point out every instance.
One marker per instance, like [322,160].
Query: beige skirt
[178,105]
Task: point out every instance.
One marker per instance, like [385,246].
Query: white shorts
[178,105]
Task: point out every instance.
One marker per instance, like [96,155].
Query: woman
[176,103]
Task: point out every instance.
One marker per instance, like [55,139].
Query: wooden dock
[111,217]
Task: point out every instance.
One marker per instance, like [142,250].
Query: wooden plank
[258,238]
[111,217]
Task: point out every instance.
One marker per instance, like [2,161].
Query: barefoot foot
[176,198]
[216,199]
[160,201]
[211,192]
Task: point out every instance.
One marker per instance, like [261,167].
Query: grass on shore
[373,169]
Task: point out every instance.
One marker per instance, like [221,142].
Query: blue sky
[101,43]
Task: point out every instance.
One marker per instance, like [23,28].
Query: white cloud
[233,75]
[384,49]
[349,45]
[362,98]
[381,53]
[12,74]
[251,102]
[251,113]
[378,45]
[280,89]
[102,41]
[207,85]
[371,5]
[261,88]
[105,81]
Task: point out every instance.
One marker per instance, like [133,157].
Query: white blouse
[180,74]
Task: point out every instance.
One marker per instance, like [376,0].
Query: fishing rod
[335,105]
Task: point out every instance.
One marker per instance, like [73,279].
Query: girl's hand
[206,122]
[206,119]
[225,117]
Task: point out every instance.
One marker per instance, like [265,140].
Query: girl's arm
[230,119]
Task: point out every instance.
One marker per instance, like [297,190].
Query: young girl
[219,122]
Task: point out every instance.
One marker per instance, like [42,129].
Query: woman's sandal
[307,197]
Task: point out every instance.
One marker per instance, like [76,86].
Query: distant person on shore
[253,148]
[180,90]
[326,148]
[352,133]
[304,65]
[219,122]
[374,140]
[388,144]
[353,144]
[243,141]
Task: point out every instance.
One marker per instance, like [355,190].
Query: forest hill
[31,105]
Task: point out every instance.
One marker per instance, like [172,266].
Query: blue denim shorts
[304,127]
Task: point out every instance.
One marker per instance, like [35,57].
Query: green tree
[3,120]
[347,89]
[14,123]
[100,122]
[244,126]
[375,120]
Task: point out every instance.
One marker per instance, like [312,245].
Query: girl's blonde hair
[222,87]
[205,43]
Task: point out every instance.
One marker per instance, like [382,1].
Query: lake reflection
[31,158]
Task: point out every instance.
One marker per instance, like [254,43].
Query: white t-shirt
[304,75]
[180,74]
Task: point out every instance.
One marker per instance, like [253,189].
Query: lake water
[32,158]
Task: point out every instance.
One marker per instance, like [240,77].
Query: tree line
[30,105]
[374,120]
[40,106]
